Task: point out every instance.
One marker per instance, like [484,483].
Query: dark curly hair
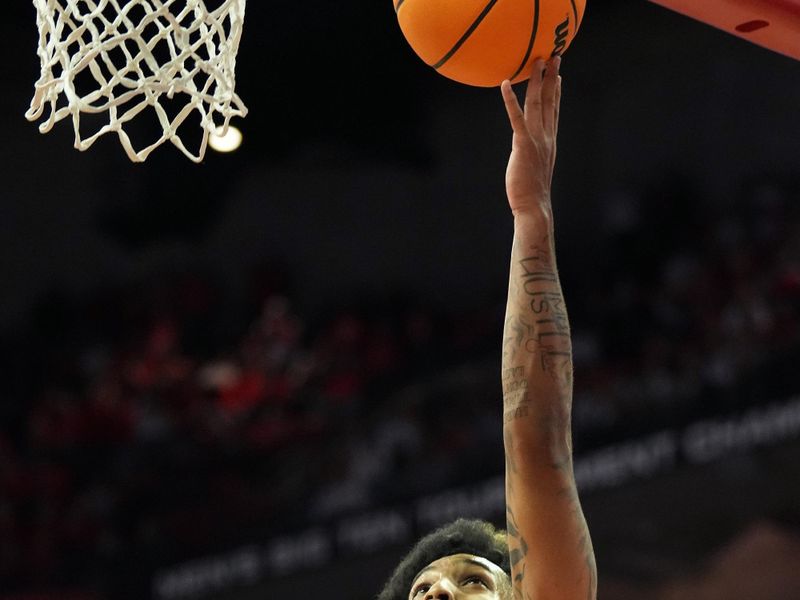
[464,536]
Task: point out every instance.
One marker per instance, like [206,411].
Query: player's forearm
[537,351]
[549,543]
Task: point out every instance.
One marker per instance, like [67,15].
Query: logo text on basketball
[561,33]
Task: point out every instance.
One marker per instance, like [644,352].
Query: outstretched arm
[551,551]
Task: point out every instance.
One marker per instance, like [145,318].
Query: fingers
[514,110]
[533,98]
[549,95]
[557,106]
[542,100]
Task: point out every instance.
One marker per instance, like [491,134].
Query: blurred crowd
[694,300]
[151,422]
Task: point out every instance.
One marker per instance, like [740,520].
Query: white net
[112,60]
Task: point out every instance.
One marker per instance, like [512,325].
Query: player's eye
[421,589]
[475,580]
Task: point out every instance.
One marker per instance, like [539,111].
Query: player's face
[460,577]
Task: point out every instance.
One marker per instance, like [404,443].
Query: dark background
[364,174]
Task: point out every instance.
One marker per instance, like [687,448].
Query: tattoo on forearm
[541,285]
[558,364]
[515,335]
[584,540]
[515,394]
[538,267]
[515,385]
[518,412]
[517,551]
[541,333]
[548,333]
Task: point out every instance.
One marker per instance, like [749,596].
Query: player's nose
[441,590]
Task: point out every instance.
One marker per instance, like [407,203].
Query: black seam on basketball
[574,12]
[466,35]
[534,30]
[398,5]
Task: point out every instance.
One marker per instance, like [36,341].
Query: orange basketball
[484,42]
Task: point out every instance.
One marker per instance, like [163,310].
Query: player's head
[467,558]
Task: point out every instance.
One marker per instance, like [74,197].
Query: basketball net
[174,56]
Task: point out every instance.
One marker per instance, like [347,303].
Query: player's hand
[533,153]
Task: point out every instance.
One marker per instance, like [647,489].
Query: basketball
[484,42]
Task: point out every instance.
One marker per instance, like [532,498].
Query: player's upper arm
[549,544]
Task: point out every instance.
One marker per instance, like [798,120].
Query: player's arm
[551,551]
